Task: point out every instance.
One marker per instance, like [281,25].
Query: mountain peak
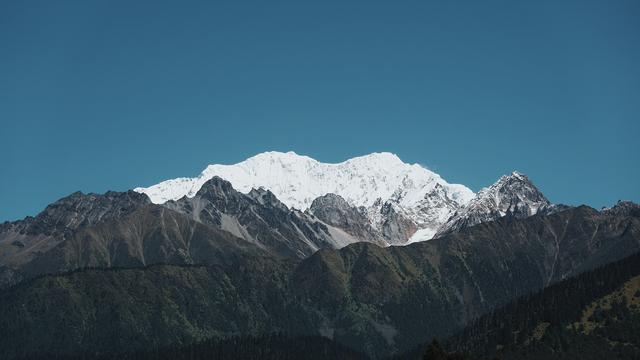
[296,180]
[512,195]
[264,197]
[215,185]
[515,176]
[515,185]
[623,207]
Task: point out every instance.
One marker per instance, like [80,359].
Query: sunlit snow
[297,180]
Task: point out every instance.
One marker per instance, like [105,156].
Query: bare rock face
[259,218]
[332,209]
[391,227]
[396,228]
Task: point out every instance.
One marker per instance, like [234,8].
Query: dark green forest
[595,315]
[275,347]
[592,316]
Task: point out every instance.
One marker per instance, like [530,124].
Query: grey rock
[512,196]
[334,210]
[258,217]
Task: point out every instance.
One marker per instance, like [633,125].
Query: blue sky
[100,95]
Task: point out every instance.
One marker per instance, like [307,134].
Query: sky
[111,95]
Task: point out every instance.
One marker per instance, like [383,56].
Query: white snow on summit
[416,192]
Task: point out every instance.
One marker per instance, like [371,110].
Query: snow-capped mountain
[512,195]
[381,183]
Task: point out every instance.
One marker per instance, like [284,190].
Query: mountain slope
[99,310]
[127,230]
[595,315]
[377,300]
[21,240]
[261,219]
[390,298]
[333,210]
[110,230]
[372,181]
[271,347]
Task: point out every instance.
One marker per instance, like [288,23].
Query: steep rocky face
[390,226]
[332,209]
[261,219]
[378,300]
[434,210]
[396,228]
[512,195]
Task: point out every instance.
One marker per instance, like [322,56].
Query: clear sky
[110,95]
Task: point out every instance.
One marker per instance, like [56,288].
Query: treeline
[237,348]
[508,331]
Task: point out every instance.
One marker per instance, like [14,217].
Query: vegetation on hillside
[269,347]
[595,315]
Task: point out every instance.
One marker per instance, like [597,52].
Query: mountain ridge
[389,190]
[511,195]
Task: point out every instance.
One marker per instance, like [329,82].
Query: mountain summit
[512,195]
[401,203]
[377,183]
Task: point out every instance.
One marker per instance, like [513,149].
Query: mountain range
[404,202]
[377,199]
[281,243]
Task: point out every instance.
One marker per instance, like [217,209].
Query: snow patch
[421,235]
